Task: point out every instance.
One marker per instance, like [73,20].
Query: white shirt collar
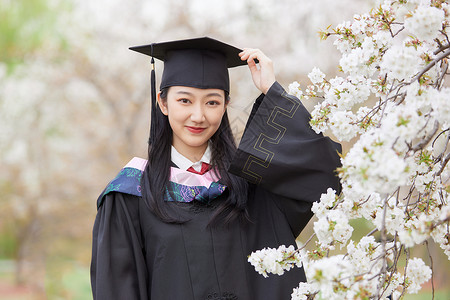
[184,163]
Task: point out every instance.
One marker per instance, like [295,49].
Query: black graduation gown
[137,256]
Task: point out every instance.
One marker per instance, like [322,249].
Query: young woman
[181,225]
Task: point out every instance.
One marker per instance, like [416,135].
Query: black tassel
[154,108]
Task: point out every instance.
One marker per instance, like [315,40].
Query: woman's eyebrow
[213,94]
[184,93]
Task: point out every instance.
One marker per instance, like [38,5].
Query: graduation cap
[199,62]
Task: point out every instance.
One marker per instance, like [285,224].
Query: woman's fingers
[252,65]
[250,54]
[264,76]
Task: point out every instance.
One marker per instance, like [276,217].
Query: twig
[439,157]
[306,243]
[446,36]
[441,47]
[443,164]
[404,276]
[398,253]
[383,246]
[374,110]
[400,30]
[411,190]
[432,269]
[441,77]
[440,133]
[440,222]
[427,139]
[431,64]
[372,232]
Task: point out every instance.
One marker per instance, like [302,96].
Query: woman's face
[194,115]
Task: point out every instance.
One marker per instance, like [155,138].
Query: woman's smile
[195,130]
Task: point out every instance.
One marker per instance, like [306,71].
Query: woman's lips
[195,129]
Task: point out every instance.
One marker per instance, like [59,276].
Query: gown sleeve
[281,153]
[118,266]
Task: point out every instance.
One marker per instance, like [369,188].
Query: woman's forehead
[192,91]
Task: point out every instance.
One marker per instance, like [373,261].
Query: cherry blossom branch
[446,36]
[400,30]
[431,64]
[441,46]
[383,245]
[440,80]
[432,268]
[427,139]
[446,143]
[443,164]
[404,276]
[397,253]
[306,243]
[372,232]
[390,175]
[447,219]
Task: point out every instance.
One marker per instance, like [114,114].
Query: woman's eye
[213,102]
[183,100]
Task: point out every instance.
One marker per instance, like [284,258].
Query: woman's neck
[194,154]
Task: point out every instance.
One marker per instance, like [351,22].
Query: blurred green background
[74,109]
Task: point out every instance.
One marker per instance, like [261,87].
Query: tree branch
[431,64]
[443,163]
[372,232]
[441,222]
[383,246]
[439,81]
[307,242]
[427,139]
[432,269]
[439,157]
[404,275]
[441,47]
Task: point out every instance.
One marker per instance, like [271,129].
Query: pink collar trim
[179,176]
[137,163]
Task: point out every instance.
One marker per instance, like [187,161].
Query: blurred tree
[26,26]
[28,29]
[76,107]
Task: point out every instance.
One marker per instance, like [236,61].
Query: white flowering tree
[391,100]
[74,106]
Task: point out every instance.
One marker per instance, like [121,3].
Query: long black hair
[157,171]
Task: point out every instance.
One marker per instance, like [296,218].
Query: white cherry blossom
[388,100]
[425,22]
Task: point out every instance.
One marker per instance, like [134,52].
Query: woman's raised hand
[263,75]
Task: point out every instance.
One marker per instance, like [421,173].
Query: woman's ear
[227,101]
[162,104]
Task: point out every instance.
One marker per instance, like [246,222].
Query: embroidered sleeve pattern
[267,155]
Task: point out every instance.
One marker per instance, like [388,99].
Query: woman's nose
[197,114]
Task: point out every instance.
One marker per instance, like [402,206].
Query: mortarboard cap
[199,62]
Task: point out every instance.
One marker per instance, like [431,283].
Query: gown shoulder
[127,181]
